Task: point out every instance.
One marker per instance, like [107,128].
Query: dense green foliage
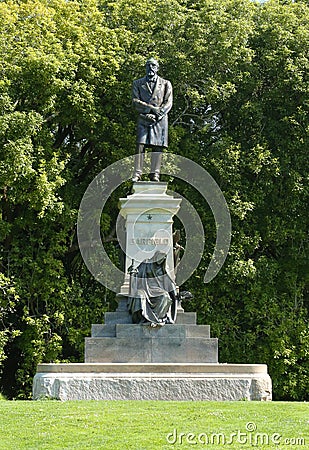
[240,77]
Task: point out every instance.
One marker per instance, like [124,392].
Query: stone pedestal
[148,215]
[128,343]
[126,361]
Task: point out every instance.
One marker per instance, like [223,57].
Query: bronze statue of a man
[152,98]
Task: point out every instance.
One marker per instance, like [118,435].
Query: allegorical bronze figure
[152,98]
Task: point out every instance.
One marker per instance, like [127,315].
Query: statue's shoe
[136,177]
[154,177]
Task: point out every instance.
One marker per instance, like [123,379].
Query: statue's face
[151,69]
[160,257]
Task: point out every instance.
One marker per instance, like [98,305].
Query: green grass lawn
[153,425]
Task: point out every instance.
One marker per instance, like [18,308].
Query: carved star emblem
[149,217]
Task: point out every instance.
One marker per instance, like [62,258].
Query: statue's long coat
[149,133]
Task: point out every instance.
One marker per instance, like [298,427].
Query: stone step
[103,330]
[197,331]
[188,318]
[133,331]
[230,370]
[151,350]
[117,317]
[167,331]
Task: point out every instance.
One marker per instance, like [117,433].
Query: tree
[59,60]
[239,72]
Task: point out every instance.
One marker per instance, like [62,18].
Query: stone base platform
[120,341]
[151,381]
[129,343]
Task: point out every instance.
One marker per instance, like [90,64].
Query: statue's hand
[151,117]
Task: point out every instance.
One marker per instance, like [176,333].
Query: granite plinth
[152,382]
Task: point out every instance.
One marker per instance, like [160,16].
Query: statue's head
[159,257]
[152,67]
